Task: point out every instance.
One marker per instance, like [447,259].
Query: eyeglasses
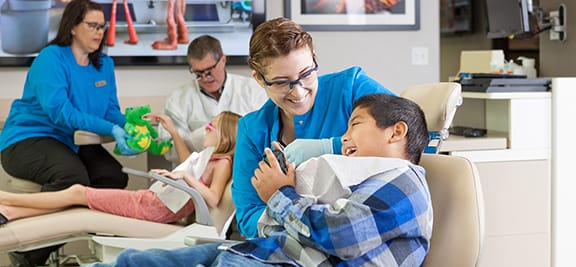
[206,73]
[93,26]
[285,87]
[210,127]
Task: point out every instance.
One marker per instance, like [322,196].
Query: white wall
[563,183]
[557,59]
[385,55]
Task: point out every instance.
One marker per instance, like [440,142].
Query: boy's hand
[268,178]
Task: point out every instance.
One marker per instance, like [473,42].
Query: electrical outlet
[554,36]
[420,56]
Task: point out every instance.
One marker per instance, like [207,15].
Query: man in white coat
[210,91]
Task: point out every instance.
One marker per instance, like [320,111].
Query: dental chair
[108,234]
[439,102]
[454,183]
[458,206]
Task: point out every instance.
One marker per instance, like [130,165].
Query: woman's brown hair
[275,38]
[74,14]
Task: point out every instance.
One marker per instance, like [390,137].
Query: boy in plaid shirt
[369,206]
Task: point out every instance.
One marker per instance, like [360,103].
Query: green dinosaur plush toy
[142,132]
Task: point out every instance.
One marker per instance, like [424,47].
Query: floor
[4,262]
[72,248]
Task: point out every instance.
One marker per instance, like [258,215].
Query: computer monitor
[508,18]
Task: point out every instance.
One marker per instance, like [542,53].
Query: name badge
[100,83]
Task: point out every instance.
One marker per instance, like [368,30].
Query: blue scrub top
[61,97]
[329,116]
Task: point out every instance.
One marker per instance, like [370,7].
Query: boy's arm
[376,212]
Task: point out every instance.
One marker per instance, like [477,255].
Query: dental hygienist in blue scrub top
[306,112]
[70,86]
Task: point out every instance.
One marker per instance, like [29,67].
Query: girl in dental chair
[141,204]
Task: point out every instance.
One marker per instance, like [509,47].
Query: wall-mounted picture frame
[26,28]
[355,15]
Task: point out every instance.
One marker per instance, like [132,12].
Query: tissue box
[482,61]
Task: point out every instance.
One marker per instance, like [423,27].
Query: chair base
[56,259]
[106,248]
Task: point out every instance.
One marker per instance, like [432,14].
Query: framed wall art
[27,26]
[355,15]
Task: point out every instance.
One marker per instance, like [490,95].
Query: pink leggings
[140,204]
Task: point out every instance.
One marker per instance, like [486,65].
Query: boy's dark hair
[388,110]
[74,14]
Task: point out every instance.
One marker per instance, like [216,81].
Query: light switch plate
[420,56]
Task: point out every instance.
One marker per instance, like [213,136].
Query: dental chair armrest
[89,138]
[201,209]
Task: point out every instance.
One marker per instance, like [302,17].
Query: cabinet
[514,163]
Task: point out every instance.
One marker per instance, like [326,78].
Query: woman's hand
[268,178]
[301,150]
[121,136]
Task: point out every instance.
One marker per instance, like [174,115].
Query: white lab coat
[190,109]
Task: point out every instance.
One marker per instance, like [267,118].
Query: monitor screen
[507,18]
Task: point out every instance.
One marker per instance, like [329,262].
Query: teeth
[350,151]
[300,100]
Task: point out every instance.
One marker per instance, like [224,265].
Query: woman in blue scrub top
[70,86]
[306,112]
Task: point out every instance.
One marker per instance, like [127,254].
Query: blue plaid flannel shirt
[383,222]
